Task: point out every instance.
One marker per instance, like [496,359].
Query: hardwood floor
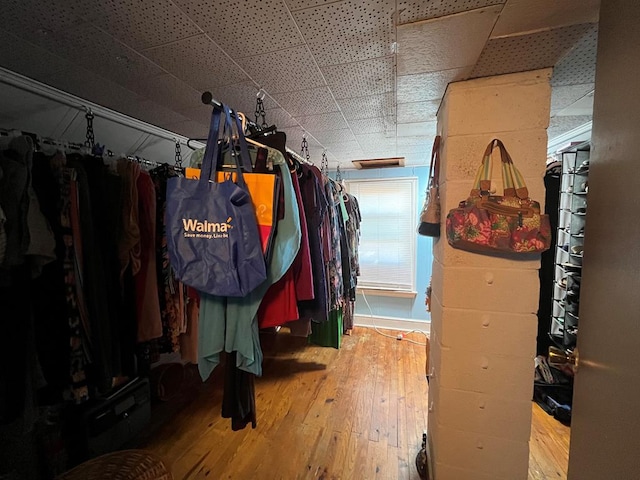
[548,447]
[354,413]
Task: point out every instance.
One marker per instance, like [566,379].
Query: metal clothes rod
[207,99]
[297,157]
[133,158]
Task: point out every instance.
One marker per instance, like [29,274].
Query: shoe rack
[574,190]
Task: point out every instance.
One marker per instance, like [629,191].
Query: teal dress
[231,324]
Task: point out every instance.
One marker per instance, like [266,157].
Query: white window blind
[387,232]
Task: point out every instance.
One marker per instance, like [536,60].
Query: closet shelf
[570,266]
[573,316]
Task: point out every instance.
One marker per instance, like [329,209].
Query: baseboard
[391,323]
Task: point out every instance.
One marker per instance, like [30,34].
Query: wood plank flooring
[354,413]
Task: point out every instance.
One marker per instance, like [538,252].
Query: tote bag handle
[512,180]
[213,147]
[434,168]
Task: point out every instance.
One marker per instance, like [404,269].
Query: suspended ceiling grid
[360,79]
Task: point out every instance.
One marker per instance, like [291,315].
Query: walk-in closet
[313,239]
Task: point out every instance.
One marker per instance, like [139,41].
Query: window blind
[387,232]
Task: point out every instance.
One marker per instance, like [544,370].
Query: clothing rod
[27,84]
[133,158]
[297,157]
[207,99]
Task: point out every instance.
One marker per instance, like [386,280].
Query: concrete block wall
[483,308]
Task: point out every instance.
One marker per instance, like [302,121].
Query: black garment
[315,207]
[239,399]
[15,314]
[47,292]
[547,270]
[106,209]
[102,366]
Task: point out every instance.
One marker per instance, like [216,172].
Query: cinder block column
[484,324]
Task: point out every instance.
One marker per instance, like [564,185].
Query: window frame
[391,289]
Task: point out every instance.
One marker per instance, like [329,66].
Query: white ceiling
[361,79]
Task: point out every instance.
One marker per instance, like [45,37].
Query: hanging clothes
[280,303]
[231,324]
[172,294]
[353,236]
[146,280]
[315,205]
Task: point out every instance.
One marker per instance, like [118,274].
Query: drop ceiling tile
[418,111]
[284,71]
[348,31]
[563,96]
[153,113]
[445,43]
[427,86]
[334,137]
[413,141]
[372,125]
[367,107]
[244,28]
[241,96]
[582,106]
[189,129]
[520,16]
[579,65]
[380,152]
[27,59]
[199,62]
[359,79]
[373,142]
[280,118]
[29,20]
[170,92]
[527,52]
[415,11]
[199,114]
[323,122]
[307,102]
[559,125]
[85,84]
[140,23]
[98,52]
[416,129]
[341,149]
[302,4]
[420,150]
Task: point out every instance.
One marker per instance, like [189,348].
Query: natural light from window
[388,238]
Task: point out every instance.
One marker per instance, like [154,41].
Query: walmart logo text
[197,229]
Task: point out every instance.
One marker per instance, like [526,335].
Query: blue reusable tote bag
[212,232]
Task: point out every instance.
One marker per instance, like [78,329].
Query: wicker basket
[123,465]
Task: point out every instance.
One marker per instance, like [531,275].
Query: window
[387,232]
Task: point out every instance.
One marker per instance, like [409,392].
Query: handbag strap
[434,168]
[512,179]
[213,147]
[240,177]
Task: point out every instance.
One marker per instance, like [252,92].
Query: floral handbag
[511,223]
